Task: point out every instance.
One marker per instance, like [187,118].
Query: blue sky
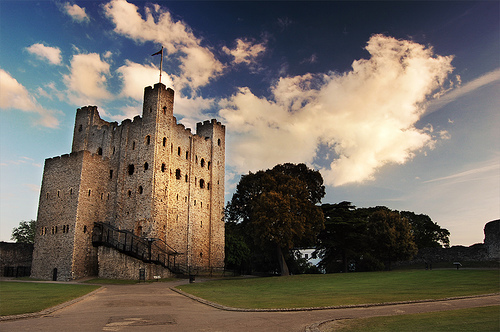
[395,103]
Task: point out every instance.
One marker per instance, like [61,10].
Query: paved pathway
[155,307]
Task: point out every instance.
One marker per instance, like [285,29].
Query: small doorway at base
[54,274]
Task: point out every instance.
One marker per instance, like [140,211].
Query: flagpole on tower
[161,59]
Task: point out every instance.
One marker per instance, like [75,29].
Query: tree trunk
[281,260]
[344,258]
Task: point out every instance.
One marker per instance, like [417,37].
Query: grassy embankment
[25,297]
[302,291]
[472,319]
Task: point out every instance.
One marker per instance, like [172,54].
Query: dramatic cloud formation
[198,64]
[245,51]
[51,54]
[453,95]
[364,118]
[76,12]
[86,81]
[14,95]
[136,76]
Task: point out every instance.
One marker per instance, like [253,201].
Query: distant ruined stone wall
[492,239]
[489,251]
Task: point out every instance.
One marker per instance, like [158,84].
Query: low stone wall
[115,265]
[474,253]
[15,259]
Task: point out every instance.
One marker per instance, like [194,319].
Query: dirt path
[155,307]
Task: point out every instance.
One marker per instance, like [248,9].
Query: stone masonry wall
[119,266]
[56,220]
[14,255]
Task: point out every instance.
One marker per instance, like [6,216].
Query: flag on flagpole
[161,59]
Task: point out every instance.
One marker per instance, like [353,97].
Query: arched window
[133,145]
[163,167]
[178,174]
[164,141]
[186,176]
[148,140]
[202,183]
[218,142]
[202,162]
[146,166]
[140,190]
[99,151]
[131,169]
[187,154]
[179,151]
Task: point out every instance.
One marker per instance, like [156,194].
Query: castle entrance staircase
[148,250]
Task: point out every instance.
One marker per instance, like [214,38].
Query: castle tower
[150,177]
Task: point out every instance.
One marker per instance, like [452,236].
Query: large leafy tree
[368,238]
[237,252]
[426,232]
[343,239]
[391,236]
[278,209]
[25,233]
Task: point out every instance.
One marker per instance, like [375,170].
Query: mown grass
[472,319]
[303,291]
[25,297]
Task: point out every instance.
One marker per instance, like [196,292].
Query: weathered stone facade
[492,239]
[150,176]
[15,259]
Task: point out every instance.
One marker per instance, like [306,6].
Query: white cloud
[136,77]
[51,54]
[198,64]
[76,12]
[246,51]
[86,81]
[127,112]
[190,110]
[454,94]
[365,117]
[14,95]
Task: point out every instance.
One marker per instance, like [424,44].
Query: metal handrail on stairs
[148,250]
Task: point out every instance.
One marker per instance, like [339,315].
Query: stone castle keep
[141,197]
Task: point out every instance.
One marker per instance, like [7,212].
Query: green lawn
[302,291]
[473,320]
[25,297]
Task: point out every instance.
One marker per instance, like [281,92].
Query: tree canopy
[370,238]
[25,233]
[278,209]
